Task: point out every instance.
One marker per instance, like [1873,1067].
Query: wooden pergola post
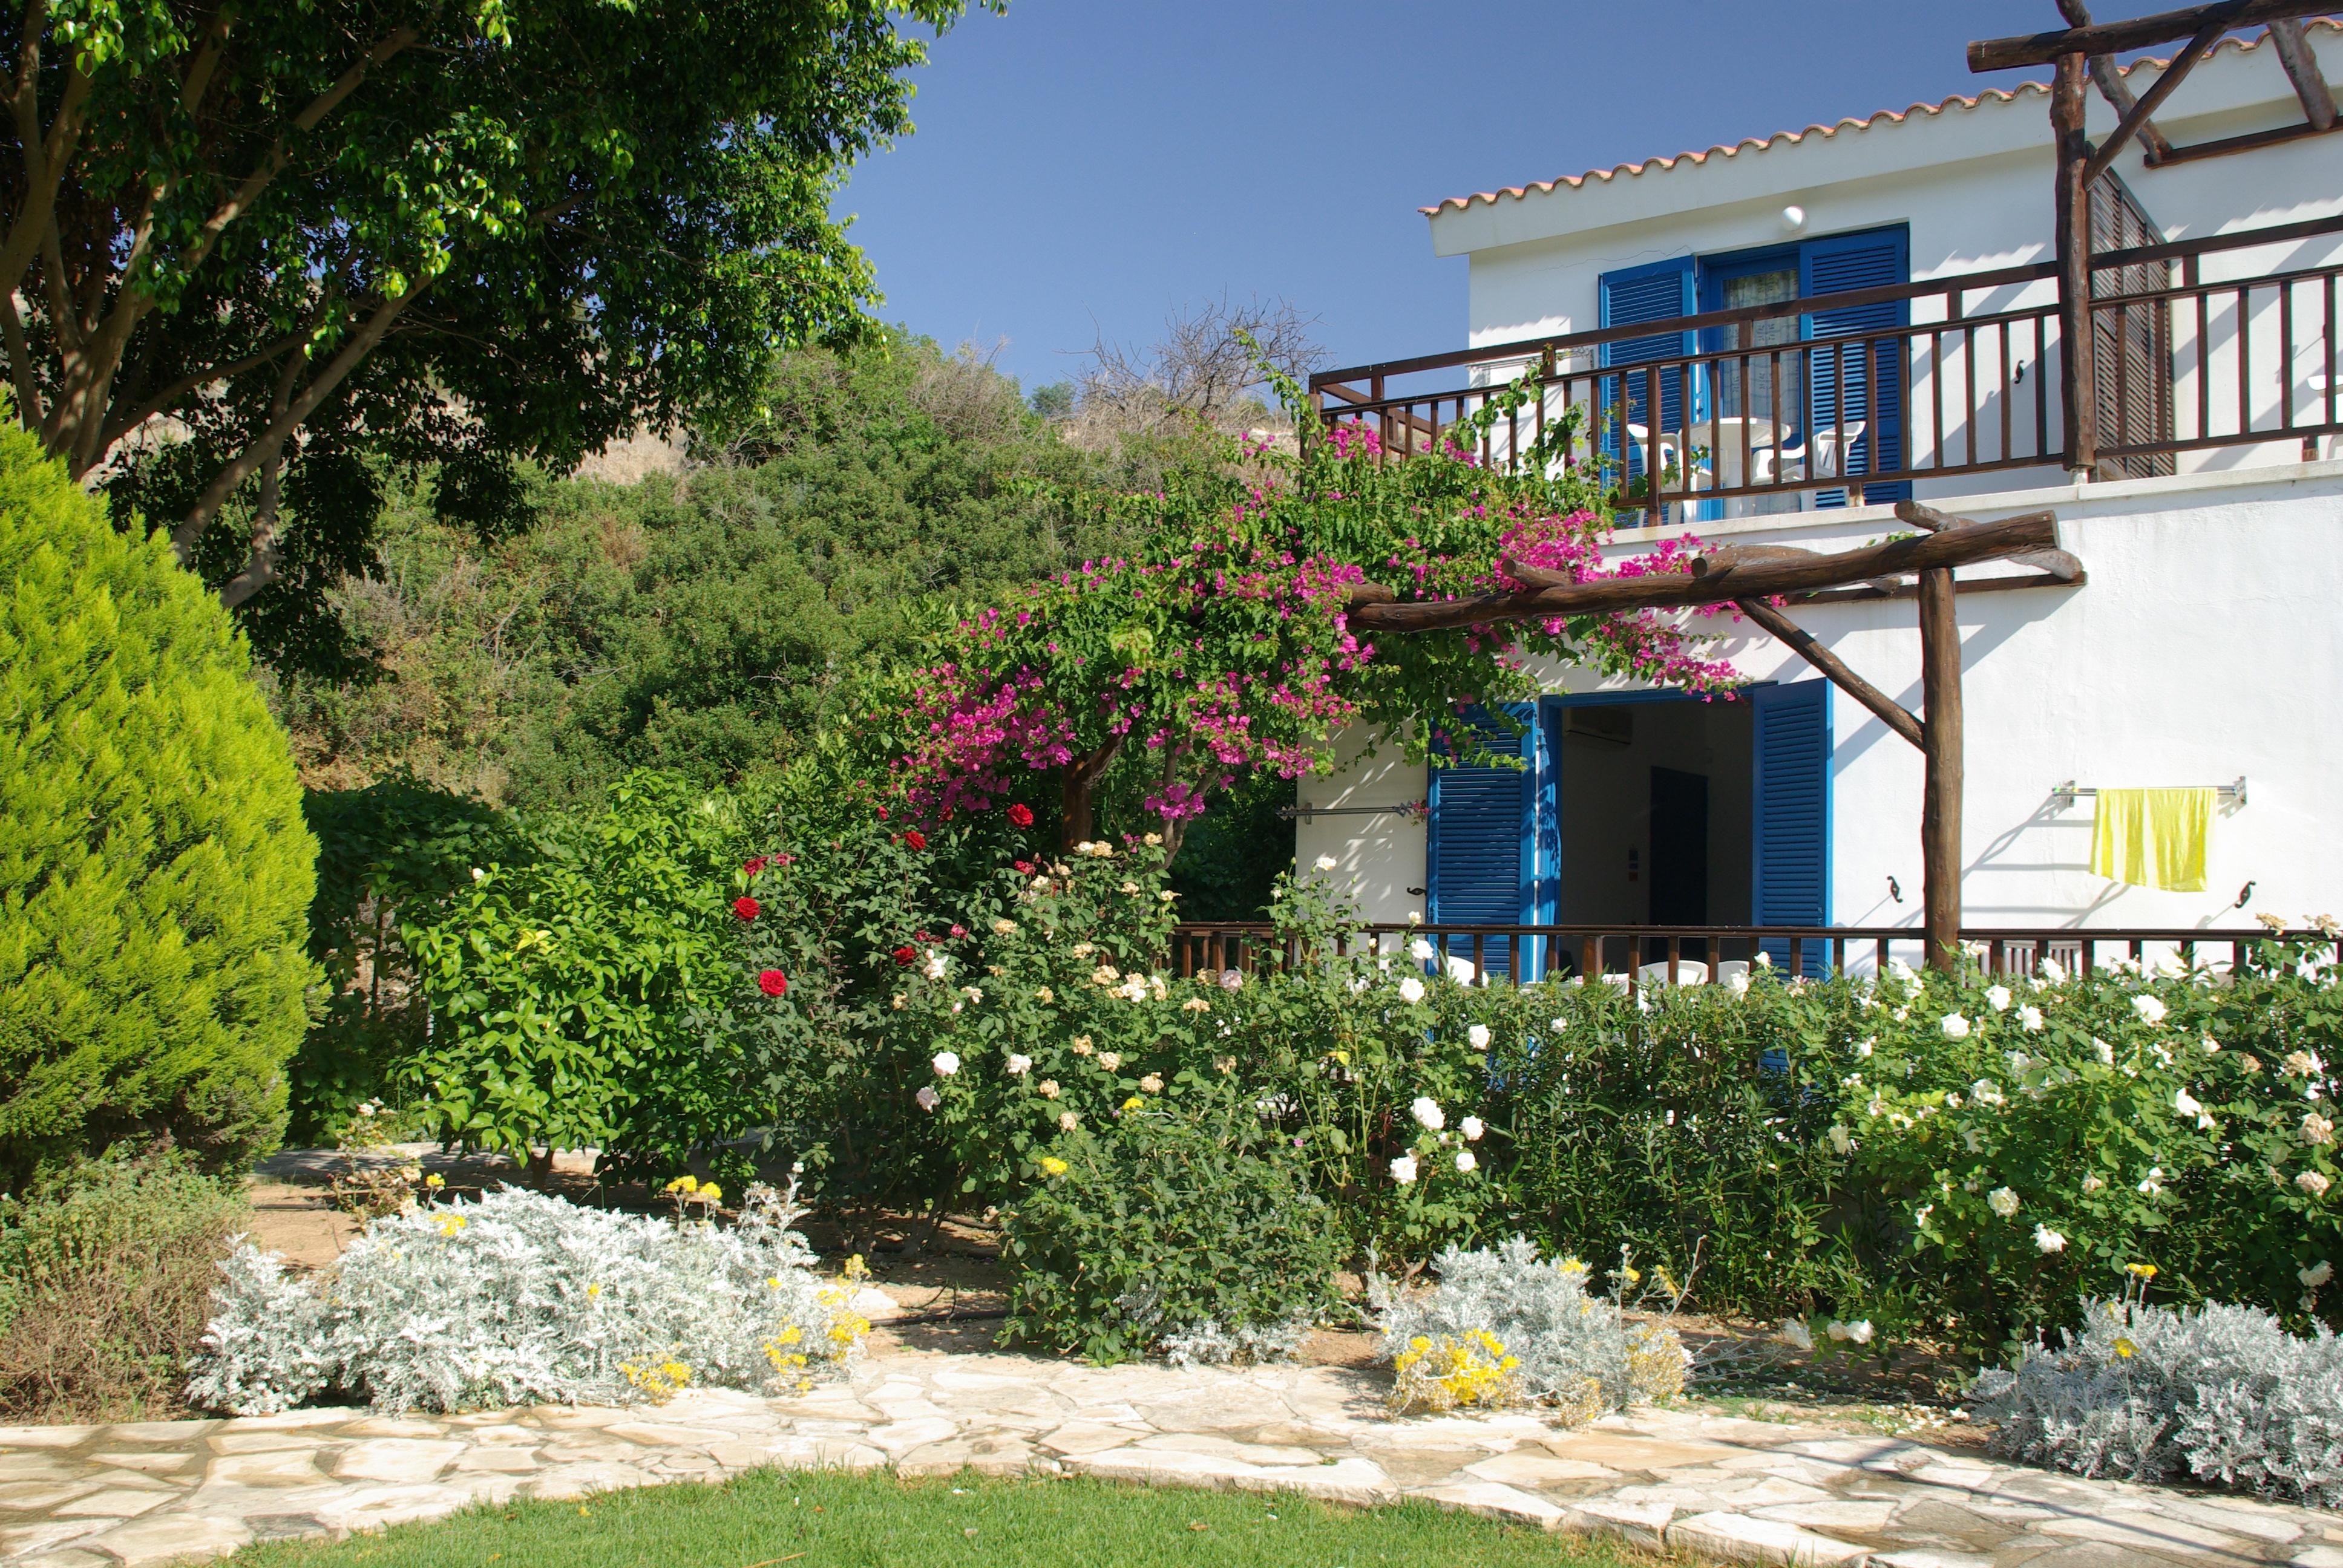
[2079,399]
[1942,769]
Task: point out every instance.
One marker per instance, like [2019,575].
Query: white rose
[2185,1103]
[1427,1113]
[1465,1163]
[1839,1141]
[1997,998]
[1420,950]
[1019,1066]
[1324,863]
[2048,1240]
[1739,982]
[2317,1129]
[946,1063]
[2029,1017]
[1472,1129]
[1402,1170]
[1954,1026]
[2153,1183]
[1479,1035]
[2092,1183]
[2317,1274]
[937,964]
[2002,1201]
[1792,1333]
[2103,1050]
[1411,990]
[2150,1011]
[928,1097]
[2051,970]
[2312,1183]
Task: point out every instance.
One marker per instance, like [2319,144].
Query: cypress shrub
[155,870]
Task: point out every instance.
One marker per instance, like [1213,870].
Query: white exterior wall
[2205,646]
[1973,186]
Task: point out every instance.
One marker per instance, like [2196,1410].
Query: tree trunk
[1078,793]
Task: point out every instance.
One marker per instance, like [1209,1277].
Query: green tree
[705,623]
[287,239]
[155,871]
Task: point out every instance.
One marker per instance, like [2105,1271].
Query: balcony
[2197,346]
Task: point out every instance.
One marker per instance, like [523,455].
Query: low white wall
[2205,646]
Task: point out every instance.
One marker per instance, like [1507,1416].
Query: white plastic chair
[1689,971]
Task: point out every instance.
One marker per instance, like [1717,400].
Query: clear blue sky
[1088,166]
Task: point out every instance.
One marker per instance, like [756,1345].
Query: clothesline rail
[2064,796]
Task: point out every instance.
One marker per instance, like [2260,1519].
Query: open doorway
[1653,818]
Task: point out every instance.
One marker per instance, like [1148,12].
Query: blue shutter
[1480,856]
[1661,291]
[1873,381]
[1790,883]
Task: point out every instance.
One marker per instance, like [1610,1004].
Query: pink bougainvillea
[1227,644]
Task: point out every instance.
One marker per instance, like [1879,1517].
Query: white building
[2202,649]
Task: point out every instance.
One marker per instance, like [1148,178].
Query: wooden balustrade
[1703,954]
[2179,363]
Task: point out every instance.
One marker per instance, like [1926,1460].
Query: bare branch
[1200,369]
[20,362]
[161,402]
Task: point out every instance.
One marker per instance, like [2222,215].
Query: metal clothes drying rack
[1409,809]
[2063,795]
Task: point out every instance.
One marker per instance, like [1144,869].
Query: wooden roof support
[2139,33]
[2111,84]
[2301,65]
[2198,46]
[1801,641]
[1721,576]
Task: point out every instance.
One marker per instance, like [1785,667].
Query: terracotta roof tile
[1780,138]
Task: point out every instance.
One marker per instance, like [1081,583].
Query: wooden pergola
[1752,577]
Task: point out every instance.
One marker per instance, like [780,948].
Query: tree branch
[270,440]
[20,362]
[161,402]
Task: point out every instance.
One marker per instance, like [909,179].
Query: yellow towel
[2153,838]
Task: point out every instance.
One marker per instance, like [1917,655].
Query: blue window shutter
[1790,883]
[1661,291]
[1480,856]
[1873,381]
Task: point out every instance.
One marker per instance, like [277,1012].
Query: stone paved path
[1714,1488]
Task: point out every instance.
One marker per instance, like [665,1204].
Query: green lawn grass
[831,1518]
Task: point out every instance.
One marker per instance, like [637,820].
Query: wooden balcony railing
[1705,954]
[2190,351]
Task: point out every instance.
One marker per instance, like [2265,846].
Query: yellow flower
[2124,1347]
[709,1192]
[451,1223]
[1054,1166]
[435,1181]
[684,1184]
[1045,996]
[2140,1271]
[1195,1004]
[593,1290]
[856,1270]
[1135,1103]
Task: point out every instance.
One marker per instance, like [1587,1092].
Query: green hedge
[155,871]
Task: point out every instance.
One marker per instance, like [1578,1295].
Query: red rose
[1021,815]
[959,931]
[755,866]
[917,839]
[1024,868]
[882,813]
[773,983]
[904,956]
[747,908]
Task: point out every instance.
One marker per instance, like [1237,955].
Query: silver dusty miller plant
[520,1298]
[2217,1392]
[1574,1348]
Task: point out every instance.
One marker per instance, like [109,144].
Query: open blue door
[1865,383]
[1480,856]
[1661,291]
[1790,881]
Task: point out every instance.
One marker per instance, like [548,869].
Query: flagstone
[395,1459]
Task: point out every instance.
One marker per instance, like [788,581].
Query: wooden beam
[2104,157]
[2293,53]
[2139,33]
[1911,589]
[1892,713]
[1707,585]
[2078,403]
[2251,142]
[2056,564]
[1941,750]
[2111,84]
